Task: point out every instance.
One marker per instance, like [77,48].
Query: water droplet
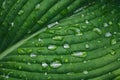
[20,12]
[33,55]
[4,4]
[86,21]
[87,46]
[52,47]
[28,63]
[40,39]
[46,73]
[59,38]
[12,24]
[105,25]
[78,32]
[66,46]
[44,64]
[79,54]
[113,41]
[97,30]
[108,34]
[55,64]
[85,72]
[70,73]
[52,24]
[66,60]
[37,6]
[110,23]
[7,76]
[112,52]
[20,67]
[84,61]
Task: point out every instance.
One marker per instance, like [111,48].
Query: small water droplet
[84,61]
[20,12]
[46,73]
[40,39]
[113,41]
[55,64]
[37,6]
[7,76]
[110,23]
[79,54]
[52,24]
[33,55]
[20,67]
[87,46]
[44,64]
[52,47]
[97,30]
[59,38]
[28,63]
[86,21]
[4,4]
[66,46]
[112,52]
[108,34]
[105,25]
[12,24]
[66,60]
[85,72]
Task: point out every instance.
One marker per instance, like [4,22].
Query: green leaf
[59,40]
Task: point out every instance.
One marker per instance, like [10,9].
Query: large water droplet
[20,12]
[85,72]
[33,55]
[37,6]
[113,41]
[66,46]
[97,30]
[59,38]
[79,54]
[108,34]
[55,64]
[52,47]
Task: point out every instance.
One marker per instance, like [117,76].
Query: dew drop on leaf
[20,12]
[85,72]
[105,25]
[97,30]
[55,64]
[79,54]
[33,55]
[87,46]
[52,47]
[44,64]
[112,52]
[108,34]
[66,46]
[58,38]
[113,41]
[37,6]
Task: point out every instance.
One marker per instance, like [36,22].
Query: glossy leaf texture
[65,40]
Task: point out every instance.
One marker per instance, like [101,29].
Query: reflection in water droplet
[52,47]
[33,55]
[66,46]
[85,72]
[55,64]
[97,30]
[44,64]
[79,54]
[108,34]
[113,41]
[59,38]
